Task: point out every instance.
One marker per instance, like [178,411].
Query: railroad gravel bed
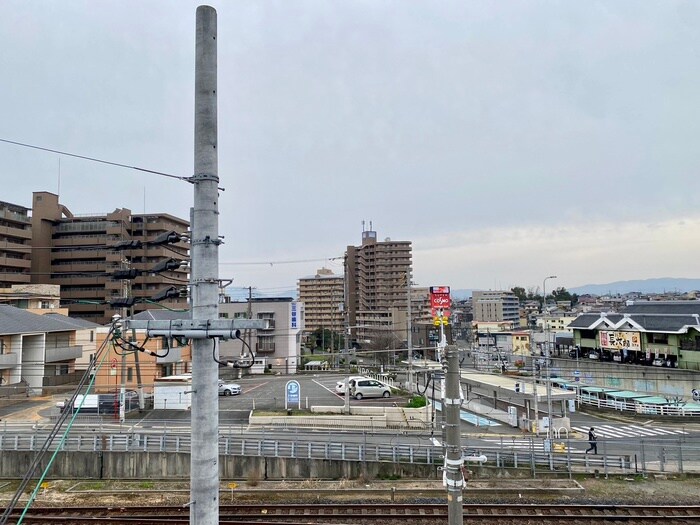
[615,490]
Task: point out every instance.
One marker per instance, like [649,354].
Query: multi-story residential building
[496,306]
[43,350]
[277,348]
[378,274]
[77,252]
[15,244]
[557,322]
[36,298]
[323,297]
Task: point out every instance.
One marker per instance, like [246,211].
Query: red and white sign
[440,300]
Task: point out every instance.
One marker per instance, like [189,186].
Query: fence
[675,455]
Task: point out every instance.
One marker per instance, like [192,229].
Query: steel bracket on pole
[196,328]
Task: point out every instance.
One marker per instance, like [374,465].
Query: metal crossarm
[196,328]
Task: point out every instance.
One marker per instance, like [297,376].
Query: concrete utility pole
[547,356]
[346,407]
[409,342]
[204,462]
[453,477]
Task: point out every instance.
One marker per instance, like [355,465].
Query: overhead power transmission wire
[272,263]
[93,159]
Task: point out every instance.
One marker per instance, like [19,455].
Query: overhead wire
[52,436]
[94,159]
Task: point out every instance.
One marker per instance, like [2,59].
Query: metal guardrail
[677,455]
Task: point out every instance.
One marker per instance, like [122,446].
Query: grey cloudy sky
[509,140]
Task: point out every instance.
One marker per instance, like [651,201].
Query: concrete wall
[176,466]
[651,379]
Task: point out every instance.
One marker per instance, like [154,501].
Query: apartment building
[77,252]
[15,244]
[323,297]
[378,273]
[277,348]
[496,307]
[42,351]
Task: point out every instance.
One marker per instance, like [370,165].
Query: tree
[326,339]
[520,293]
[562,294]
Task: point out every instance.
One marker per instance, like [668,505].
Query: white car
[229,389]
[369,388]
[340,385]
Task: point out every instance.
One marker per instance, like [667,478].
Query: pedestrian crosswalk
[629,431]
[534,444]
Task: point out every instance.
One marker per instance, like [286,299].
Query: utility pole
[346,408]
[547,357]
[453,478]
[204,462]
[409,342]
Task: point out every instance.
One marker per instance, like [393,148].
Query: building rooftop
[18,321]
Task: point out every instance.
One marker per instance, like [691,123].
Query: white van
[369,388]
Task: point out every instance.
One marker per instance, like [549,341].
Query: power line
[93,159]
[272,263]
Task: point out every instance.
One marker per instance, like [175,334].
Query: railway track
[386,514]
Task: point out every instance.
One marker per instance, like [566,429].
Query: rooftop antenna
[363,225]
[58,190]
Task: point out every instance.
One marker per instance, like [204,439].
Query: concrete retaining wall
[176,466]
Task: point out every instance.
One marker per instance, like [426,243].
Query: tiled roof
[18,321]
[160,314]
[650,317]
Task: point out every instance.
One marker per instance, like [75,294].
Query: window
[129,374]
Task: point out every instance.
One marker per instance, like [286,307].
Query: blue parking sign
[292,394]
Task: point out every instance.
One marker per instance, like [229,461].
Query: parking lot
[267,392]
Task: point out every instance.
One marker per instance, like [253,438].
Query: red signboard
[440,300]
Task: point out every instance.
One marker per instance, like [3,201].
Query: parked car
[658,362]
[340,385]
[229,389]
[369,388]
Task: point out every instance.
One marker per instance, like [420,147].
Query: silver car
[229,389]
[369,388]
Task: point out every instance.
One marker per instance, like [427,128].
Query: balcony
[264,348]
[63,353]
[269,325]
[9,360]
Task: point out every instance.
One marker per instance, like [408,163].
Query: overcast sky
[508,141]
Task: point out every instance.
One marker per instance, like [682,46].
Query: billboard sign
[440,300]
[620,340]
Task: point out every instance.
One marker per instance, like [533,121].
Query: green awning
[626,394]
[652,400]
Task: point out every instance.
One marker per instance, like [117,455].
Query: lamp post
[546,356]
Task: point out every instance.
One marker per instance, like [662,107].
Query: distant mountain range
[660,285]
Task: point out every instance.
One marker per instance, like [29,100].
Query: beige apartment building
[77,252]
[15,244]
[323,297]
[378,273]
[495,307]
[277,348]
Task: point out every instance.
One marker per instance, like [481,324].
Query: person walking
[592,441]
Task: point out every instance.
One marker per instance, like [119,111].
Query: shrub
[417,402]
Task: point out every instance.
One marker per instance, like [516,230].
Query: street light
[546,356]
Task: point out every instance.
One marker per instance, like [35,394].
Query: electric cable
[246,361]
[93,159]
[52,435]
